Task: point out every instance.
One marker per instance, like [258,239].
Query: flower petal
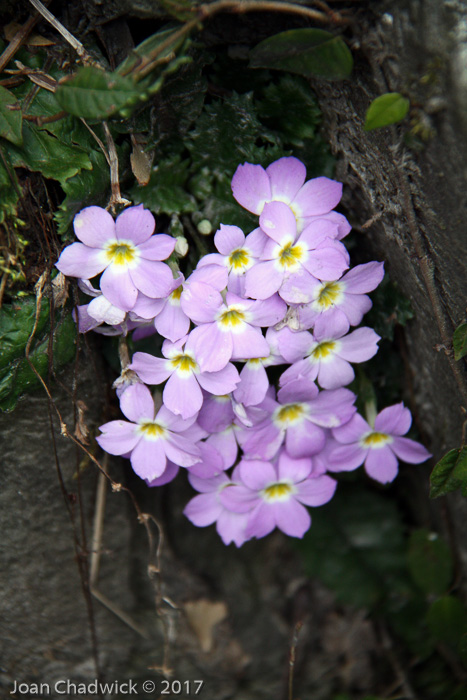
[316,491]
[212,347]
[278,221]
[286,176]
[154,279]
[148,459]
[292,518]
[135,224]
[118,437]
[381,464]
[263,280]
[293,469]
[150,369]
[182,395]
[222,382]
[228,238]
[409,450]
[203,510]
[119,288]
[94,226]
[318,196]
[136,403]
[364,278]
[158,247]
[394,420]
[251,187]
[78,260]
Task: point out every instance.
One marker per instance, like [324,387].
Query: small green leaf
[45,153]
[459,341]
[308,52]
[151,45]
[450,473]
[447,620]
[430,562]
[386,109]
[11,120]
[16,324]
[94,94]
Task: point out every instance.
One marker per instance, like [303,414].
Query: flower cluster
[281,295]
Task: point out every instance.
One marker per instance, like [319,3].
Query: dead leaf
[141,161]
[203,616]
[11,30]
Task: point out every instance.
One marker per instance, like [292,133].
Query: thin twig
[292,654]
[116,197]
[77,45]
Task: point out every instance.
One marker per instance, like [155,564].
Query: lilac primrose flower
[299,417]
[124,249]
[149,439]
[272,495]
[100,308]
[182,394]
[207,508]
[379,447]
[237,253]
[228,330]
[327,353]
[283,181]
[291,262]
[345,298]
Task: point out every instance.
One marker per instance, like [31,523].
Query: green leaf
[447,620]
[308,52]
[16,324]
[9,194]
[86,187]
[44,153]
[18,377]
[11,120]
[429,561]
[386,109]
[459,341]
[355,546]
[151,45]
[450,473]
[94,94]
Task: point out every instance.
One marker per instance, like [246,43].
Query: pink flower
[379,447]
[284,181]
[291,262]
[150,439]
[182,394]
[124,250]
[274,495]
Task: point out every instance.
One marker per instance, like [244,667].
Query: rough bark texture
[417,202]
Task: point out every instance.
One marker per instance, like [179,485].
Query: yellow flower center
[277,492]
[151,430]
[184,363]
[120,253]
[323,350]
[289,414]
[329,294]
[376,439]
[232,318]
[239,259]
[290,255]
[174,297]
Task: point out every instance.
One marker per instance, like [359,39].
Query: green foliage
[308,52]
[94,94]
[459,342]
[430,562]
[450,473]
[447,620]
[166,190]
[385,110]
[10,119]
[16,326]
[355,546]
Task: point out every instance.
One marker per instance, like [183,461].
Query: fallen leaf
[203,616]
